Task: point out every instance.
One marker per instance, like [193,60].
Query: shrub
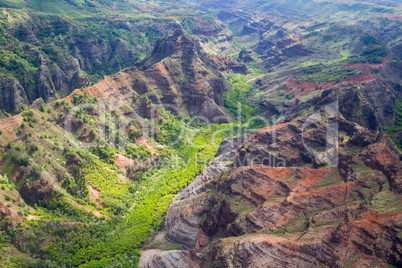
[21,160]
[28,113]
[36,171]
[3,179]
[134,134]
[34,148]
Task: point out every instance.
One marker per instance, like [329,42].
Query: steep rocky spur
[49,54]
[270,202]
[184,84]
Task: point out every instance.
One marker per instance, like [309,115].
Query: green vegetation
[84,208]
[128,211]
[332,178]
[143,211]
[3,179]
[82,41]
[235,99]
[396,131]
[398,112]
[321,77]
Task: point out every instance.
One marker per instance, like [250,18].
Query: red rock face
[305,214]
[177,73]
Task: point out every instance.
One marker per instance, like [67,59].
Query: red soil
[392,17]
[96,213]
[357,66]
[308,88]
[144,141]
[296,39]
[264,129]
[200,20]
[17,174]
[162,69]
[360,78]
[123,162]
[94,195]
[9,127]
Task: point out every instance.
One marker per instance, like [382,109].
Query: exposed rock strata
[177,74]
[239,213]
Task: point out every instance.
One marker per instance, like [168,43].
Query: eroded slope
[273,203]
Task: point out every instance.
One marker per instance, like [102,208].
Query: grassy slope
[103,37]
[135,207]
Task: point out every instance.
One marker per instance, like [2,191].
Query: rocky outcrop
[12,96]
[367,98]
[278,201]
[177,74]
[33,192]
[213,35]
[178,258]
[59,55]
[227,64]
[246,56]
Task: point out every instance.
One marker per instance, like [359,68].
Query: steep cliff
[271,202]
[177,74]
[366,93]
[95,155]
[47,53]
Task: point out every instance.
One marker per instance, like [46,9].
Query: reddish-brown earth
[123,162]
[94,195]
[305,214]
[144,141]
[177,73]
[96,213]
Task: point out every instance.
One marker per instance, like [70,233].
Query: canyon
[200,134]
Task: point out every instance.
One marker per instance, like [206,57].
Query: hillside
[57,176]
[200,133]
[352,56]
[290,209]
[50,48]
[270,200]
